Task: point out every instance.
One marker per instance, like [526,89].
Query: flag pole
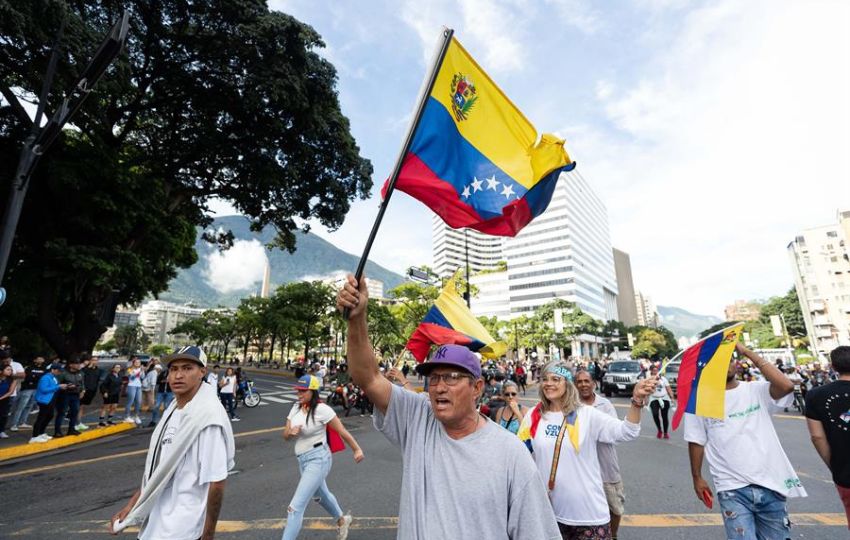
[432,77]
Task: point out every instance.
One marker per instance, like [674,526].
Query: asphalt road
[72,493]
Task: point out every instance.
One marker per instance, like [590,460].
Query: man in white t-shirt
[188,460]
[751,472]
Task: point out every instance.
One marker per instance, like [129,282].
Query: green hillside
[314,256]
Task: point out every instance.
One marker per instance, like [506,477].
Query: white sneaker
[129,420]
[36,440]
[46,437]
[81,427]
[24,426]
[342,530]
[13,428]
[138,421]
[3,435]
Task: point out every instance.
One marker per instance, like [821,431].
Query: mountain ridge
[683,323]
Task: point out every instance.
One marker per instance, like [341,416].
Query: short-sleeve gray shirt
[608,464]
[484,485]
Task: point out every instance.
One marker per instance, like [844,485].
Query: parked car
[672,374]
[621,377]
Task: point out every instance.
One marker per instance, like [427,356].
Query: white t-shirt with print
[578,497]
[135,376]
[312,431]
[180,510]
[229,386]
[17,369]
[660,392]
[743,448]
[212,378]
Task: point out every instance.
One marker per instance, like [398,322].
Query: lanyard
[557,455]
[156,450]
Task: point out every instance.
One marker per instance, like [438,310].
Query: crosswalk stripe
[275,399]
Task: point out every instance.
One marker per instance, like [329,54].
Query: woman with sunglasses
[512,413]
[562,431]
[307,423]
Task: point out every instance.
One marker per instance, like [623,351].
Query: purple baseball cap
[452,356]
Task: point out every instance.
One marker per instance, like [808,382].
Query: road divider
[23,450]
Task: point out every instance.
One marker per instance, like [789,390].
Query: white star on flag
[492,183]
[476,184]
[508,191]
[465,193]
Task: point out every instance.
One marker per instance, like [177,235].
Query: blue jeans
[134,400]
[754,513]
[164,399]
[66,401]
[228,403]
[26,398]
[315,465]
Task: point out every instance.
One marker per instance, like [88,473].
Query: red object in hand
[707,499]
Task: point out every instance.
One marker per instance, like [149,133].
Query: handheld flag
[474,158]
[528,428]
[449,321]
[702,375]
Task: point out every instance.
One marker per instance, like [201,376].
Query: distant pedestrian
[93,375]
[149,384]
[510,415]
[660,402]
[227,392]
[18,374]
[828,417]
[164,395]
[135,374]
[110,388]
[68,398]
[7,386]
[45,397]
[188,459]
[26,394]
[307,423]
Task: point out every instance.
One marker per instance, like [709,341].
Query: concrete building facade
[647,315]
[742,310]
[158,318]
[449,247]
[492,298]
[820,260]
[626,307]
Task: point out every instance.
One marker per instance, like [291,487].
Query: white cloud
[580,14]
[238,268]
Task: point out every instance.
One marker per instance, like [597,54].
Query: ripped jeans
[754,513]
[315,465]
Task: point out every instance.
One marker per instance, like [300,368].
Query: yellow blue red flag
[449,321]
[702,375]
[475,160]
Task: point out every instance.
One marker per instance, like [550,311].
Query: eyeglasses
[451,379]
[510,394]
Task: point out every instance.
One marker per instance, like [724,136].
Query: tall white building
[492,299]
[820,259]
[646,312]
[564,253]
[158,318]
[449,248]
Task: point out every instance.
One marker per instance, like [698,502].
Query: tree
[222,100]
[159,350]
[311,304]
[197,329]
[789,307]
[130,339]
[413,302]
[649,343]
[384,328]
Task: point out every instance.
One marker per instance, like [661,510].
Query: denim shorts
[754,513]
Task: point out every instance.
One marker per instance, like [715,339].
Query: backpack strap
[557,455]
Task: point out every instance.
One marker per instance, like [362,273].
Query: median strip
[22,450]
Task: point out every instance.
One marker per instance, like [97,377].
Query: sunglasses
[510,394]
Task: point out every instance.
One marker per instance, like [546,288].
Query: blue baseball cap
[190,352]
[452,356]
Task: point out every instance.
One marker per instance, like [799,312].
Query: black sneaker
[152,424]
[101,423]
[58,435]
[73,432]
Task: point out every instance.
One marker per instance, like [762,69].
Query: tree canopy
[223,100]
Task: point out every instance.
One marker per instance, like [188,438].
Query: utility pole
[41,138]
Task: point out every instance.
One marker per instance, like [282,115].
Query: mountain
[684,323]
[314,258]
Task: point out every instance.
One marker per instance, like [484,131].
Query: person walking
[45,397]
[149,384]
[521,377]
[660,402]
[609,465]
[163,396]
[751,495]
[135,374]
[26,394]
[189,456]
[227,393]
[92,377]
[828,418]
[444,440]
[563,435]
[68,398]
[512,413]
[307,423]
[110,388]
[8,383]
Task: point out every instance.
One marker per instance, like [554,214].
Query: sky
[713,132]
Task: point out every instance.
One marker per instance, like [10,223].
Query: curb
[23,450]
[275,373]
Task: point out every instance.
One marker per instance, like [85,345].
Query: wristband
[638,403]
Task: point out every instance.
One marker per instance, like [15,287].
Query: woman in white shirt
[227,393]
[659,403]
[135,374]
[575,480]
[307,423]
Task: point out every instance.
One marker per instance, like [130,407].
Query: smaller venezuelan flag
[449,321]
[528,428]
[702,375]
[475,159]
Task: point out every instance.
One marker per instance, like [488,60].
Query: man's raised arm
[361,359]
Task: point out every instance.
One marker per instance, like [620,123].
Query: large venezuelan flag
[702,375]
[449,321]
[475,159]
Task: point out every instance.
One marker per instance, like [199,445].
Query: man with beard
[751,496]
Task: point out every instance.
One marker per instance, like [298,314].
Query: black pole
[468,293]
[447,38]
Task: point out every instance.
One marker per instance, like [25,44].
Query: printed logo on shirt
[746,412]
[793,483]
[170,432]
[845,417]
[552,430]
